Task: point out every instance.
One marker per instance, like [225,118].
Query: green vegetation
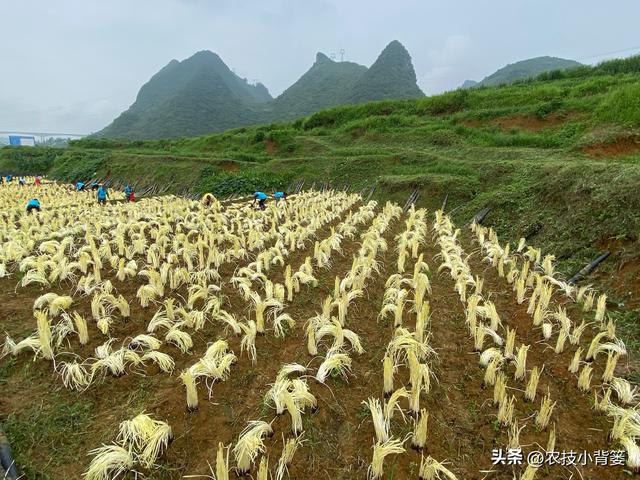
[622,105]
[48,427]
[523,149]
[201,95]
[522,70]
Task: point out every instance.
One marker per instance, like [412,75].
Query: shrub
[28,161]
[77,165]
[443,138]
[226,184]
[449,102]
[548,107]
[622,106]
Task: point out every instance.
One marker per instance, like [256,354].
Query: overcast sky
[73,65]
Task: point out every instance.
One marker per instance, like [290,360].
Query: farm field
[325,337]
[555,159]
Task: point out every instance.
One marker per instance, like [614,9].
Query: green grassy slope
[527,68]
[556,158]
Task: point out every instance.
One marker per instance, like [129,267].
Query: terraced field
[325,337]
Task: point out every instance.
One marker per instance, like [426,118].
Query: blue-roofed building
[22,141]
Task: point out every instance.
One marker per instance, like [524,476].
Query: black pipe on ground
[413,196]
[589,268]
[481,215]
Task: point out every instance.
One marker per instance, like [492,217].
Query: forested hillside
[202,95]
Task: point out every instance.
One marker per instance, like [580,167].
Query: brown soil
[620,146]
[530,123]
[578,427]
[339,435]
[624,278]
[230,166]
[270,146]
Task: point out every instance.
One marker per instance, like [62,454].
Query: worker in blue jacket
[280,196]
[80,186]
[260,197]
[102,194]
[33,204]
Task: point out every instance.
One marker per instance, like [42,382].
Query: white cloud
[445,63]
[74,65]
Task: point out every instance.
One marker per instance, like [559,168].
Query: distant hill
[202,95]
[198,95]
[523,69]
[469,84]
[323,85]
[390,77]
[328,83]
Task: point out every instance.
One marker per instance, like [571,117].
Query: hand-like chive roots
[419,437]
[250,444]
[380,451]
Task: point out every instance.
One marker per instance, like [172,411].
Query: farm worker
[33,204]
[260,197]
[9,177]
[280,196]
[128,191]
[102,194]
[80,186]
[22,181]
[95,186]
[38,181]
[207,199]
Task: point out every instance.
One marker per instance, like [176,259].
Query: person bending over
[33,204]
[102,195]
[129,193]
[280,196]
[261,198]
[207,199]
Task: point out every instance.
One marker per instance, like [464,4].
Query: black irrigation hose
[589,268]
[413,197]
[373,189]
[6,458]
[481,215]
